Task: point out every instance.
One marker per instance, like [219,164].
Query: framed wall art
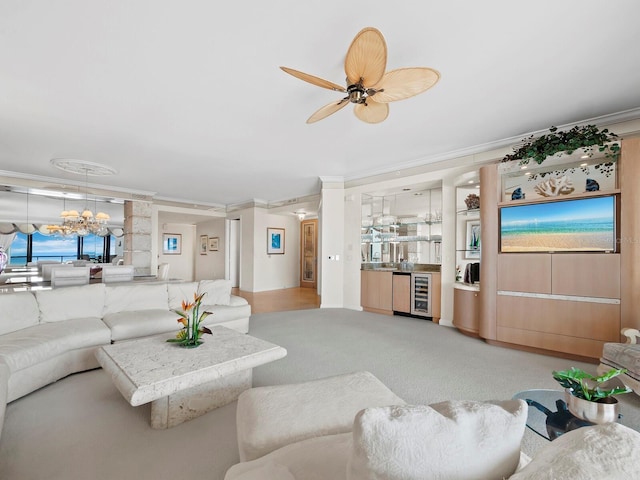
[275,241]
[472,248]
[171,244]
[214,244]
[204,239]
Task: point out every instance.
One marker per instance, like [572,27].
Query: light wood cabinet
[465,310]
[402,293]
[376,291]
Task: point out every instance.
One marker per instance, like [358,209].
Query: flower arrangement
[458,273]
[191,319]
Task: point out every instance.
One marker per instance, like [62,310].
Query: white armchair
[47,268]
[66,277]
[117,273]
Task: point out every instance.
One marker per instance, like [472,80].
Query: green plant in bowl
[583,385]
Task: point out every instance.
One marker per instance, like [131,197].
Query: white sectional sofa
[49,334]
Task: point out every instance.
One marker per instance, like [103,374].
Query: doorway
[309,253]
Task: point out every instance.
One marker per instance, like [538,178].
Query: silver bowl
[594,412]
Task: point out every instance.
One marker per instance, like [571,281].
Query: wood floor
[281,300]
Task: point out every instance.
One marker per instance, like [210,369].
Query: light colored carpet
[82,428]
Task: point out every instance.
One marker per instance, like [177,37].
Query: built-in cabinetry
[376,291]
[567,303]
[465,309]
[468,252]
[402,292]
[545,294]
[406,293]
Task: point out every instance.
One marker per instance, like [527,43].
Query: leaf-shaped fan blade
[327,110]
[371,112]
[366,58]
[404,83]
[314,80]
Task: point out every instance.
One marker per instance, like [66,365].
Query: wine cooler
[421,294]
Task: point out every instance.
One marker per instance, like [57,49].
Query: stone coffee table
[184,383]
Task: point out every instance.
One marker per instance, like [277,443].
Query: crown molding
[627,122]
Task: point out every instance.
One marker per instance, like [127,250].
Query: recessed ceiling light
[584,164]
[523,167]
[470,181]
[584,156]
[527,173]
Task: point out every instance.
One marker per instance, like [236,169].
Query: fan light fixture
[368,86]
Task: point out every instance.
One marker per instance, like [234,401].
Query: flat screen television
[579,225]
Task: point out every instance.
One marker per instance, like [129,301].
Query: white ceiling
[186,99]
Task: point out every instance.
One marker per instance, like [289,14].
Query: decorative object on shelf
[204,240]
[544,183]
[517,194]
[554,187]
[592,185]
[214,244]
[191,320]
[171,244]
[3,259]
[472,247]
[472,201]
[458,273]
[275,241]
[590,398]
[368,87]
[587,137]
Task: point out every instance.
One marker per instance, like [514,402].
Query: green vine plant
[587,137]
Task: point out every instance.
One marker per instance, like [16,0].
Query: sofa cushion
[32,345]
[132,297]
[270,417]
[179,292]
[589,453]
[218,292]
[225,313]
[18,311]
[314,458]
[454,440]
[67,303]
[125,325]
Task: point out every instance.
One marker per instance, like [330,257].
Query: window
[36,247]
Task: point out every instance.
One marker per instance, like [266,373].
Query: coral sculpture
[554,187]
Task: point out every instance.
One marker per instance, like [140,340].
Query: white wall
[180,266]
[211,265]
[272,272]
[333,223]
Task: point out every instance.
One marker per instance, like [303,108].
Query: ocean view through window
[59,248]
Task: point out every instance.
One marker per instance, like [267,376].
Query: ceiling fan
[368,86]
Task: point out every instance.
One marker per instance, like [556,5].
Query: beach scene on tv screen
[583,225]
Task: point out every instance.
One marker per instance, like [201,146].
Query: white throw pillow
[608,451]
[179,292]
[218,292]
[450,440]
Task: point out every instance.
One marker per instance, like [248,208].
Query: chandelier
[85,223]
